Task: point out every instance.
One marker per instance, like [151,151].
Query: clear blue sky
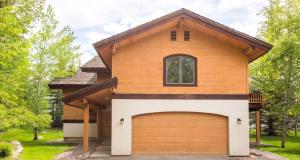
[93,20]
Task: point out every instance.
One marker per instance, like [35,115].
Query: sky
[94,20]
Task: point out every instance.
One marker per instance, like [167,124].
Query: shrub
[5,149]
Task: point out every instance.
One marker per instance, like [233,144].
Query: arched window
[180,70]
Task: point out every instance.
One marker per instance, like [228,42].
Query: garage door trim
[186,112]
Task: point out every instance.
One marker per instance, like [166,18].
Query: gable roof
[93,65]
[182,13]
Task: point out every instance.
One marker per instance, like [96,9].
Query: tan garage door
[179,133]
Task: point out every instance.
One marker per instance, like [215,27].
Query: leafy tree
[15,22]
[277,74]
[32,52]
[52,55]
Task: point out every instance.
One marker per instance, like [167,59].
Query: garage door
[179,133]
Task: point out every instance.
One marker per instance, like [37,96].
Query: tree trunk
[35,130]
[284,128]
[287,100]
[37,110]
[296,122]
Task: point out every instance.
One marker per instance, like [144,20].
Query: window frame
[186,35]
[180,84]
[173,35]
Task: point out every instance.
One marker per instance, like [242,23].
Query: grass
[292,150]
[44,149]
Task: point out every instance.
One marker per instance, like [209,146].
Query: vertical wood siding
[222,67]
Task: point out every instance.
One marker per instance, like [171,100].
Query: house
[175,85]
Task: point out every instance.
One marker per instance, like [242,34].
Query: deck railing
[255,98]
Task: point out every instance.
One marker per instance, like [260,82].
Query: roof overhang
[103,70]
[96,93]
[64,86]
[107,46]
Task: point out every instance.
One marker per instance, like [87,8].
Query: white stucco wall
[76,129]
[233,109]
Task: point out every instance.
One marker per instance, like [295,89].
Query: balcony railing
[255,98]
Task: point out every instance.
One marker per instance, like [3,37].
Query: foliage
[32,51]
[49,144]
[15,117]
[5,149]
[277,74]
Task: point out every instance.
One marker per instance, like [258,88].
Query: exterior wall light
[239,121]
[122,121]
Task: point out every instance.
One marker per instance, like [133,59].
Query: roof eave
[64,86]
[110,83]
[94,69]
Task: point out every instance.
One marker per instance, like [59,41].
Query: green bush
[5,149]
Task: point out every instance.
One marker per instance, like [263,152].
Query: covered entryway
[180,133]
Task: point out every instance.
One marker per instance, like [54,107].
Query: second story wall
[221,67]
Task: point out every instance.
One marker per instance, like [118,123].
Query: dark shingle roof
[79,79]
[82,78]
[93,65]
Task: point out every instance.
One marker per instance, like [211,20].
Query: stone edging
[17,149]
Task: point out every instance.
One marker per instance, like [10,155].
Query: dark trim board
[65,86]
[255,106]
[182,96]
[77,121]
[95,69]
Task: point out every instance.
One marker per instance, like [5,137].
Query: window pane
[172,70]
[187,65]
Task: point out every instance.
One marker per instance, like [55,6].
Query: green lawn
[44,149]
[292,150]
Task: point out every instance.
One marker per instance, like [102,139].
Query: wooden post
[86,118]
[99,124]
[257,127]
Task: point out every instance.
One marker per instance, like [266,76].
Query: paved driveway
[174,158]
[75,154]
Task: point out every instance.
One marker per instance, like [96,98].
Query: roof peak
[178,14]
[210,23]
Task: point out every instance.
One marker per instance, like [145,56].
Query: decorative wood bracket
[114,48]
[181,22]
[249,50]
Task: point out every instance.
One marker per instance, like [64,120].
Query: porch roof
[98,94]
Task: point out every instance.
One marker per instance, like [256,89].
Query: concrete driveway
[103,153]
[173,157]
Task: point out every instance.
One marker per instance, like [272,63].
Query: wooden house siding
[222,67]
[74,114]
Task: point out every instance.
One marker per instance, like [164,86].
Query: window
[180,70]
[173,35]
[186,35]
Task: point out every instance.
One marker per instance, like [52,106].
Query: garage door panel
[179,133]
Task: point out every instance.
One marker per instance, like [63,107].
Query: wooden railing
[255,98]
